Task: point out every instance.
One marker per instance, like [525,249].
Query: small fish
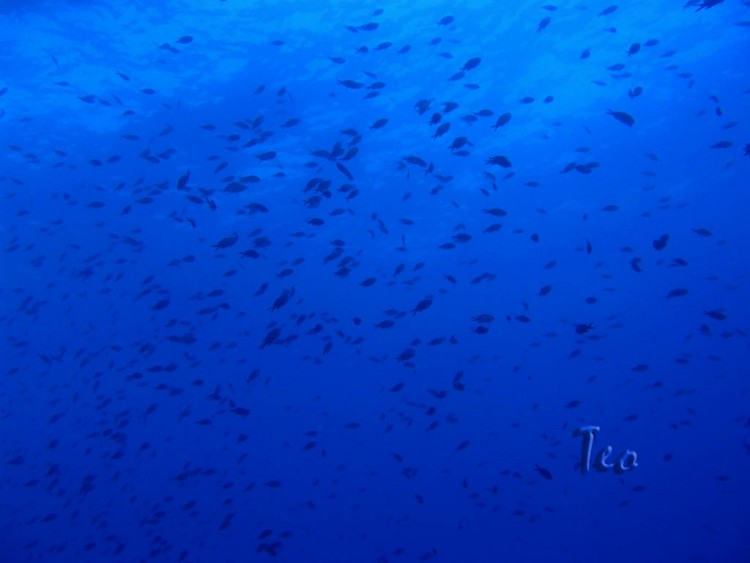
[182,182]
[635,92]
[463,445]
[441,130]
[622,117]
[372,26]
[499,160]
[471,64]
[226,242]
[543,472]
[379,123]
[269,155]
[708,4]
[458,143]
[496,212]
[352,84]
[504,119]
[271,337]
[661,242]
[722,145]
[716,315]
[678,292]
[423,305]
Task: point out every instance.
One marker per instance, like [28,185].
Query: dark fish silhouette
[543,472]
[226,242]
[622,117]
[423,305]
[472,63]
[708,4]
[182,182]
[499,160]
[678,292]
[661,242]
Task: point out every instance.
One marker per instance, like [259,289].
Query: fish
[677,292]
[622,117]
[504,119]
[661,242]
[226,242]
[499,160]
[716,314]
[247,279]
[635,92]
[183,180]
[706,4]
[721,145]
[545,473]
[351,84]
[423,305]
[471,64]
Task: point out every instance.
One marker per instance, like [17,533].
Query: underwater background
[352,281]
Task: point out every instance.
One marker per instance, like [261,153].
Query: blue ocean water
[353,282]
